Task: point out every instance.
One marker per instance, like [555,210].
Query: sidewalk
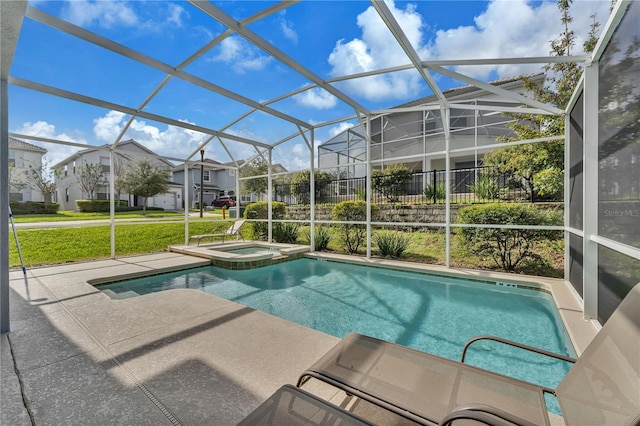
[102,222]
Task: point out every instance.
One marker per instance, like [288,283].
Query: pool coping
[218,254]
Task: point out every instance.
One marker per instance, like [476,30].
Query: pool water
[430,313]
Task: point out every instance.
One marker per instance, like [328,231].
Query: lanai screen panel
[619,161]
[575,192]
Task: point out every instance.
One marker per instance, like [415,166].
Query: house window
[232,172]
[105,164]
[66,172]
[12,158]
[66,192]
[206,176]
[102,193]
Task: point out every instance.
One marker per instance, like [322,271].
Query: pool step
[124,295]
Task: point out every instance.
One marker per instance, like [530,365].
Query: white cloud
[316,98]
[108,127]
[103,13]
[341,127]
[241,56]
[514,28]
[55,153]
[288,31]
[378,49]
[175,14]
[504,29]
[293,156]
[170,141]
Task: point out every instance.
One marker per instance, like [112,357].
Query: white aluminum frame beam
[43,88]
[11,17]
[108,44]
[497,90]
[390,21]
[226,20]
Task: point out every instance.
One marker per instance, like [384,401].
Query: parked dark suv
[225,201]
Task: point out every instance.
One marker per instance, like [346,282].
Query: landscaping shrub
[439,190]
[285,232]
[352,235]
[486,187]
[322,238]
[260,210]
[392,182]
[33,207]
[91,206]
[301,185]
[507,247]
[392,244]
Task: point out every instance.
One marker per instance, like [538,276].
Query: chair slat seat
[602,388]
[421,386]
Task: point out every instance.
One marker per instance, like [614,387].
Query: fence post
[435,187]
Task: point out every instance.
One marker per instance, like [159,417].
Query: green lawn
[62,245]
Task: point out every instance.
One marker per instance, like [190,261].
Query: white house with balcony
[129,152]
[23,155]
[414,135]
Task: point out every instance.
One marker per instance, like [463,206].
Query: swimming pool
[435,314]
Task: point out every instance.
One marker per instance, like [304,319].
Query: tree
[539,167]
[259,185]
[301,183]
[145,179]
[16,180]
[91,177]
[44,178]
[120,164]
[508,247]
[353,235]
[392,182]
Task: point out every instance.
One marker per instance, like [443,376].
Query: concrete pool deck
[76,356]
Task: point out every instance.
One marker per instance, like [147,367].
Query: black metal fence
[467,185]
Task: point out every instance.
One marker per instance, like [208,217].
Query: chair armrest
[485,414]
[517,345]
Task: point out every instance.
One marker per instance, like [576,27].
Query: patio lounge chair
[233,230]
[290,406]
[602,388]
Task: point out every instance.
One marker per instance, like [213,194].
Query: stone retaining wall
[419,213]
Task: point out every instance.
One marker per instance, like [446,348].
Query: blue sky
[330,38]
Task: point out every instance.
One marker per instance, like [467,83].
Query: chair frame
[232,230]
[602,385]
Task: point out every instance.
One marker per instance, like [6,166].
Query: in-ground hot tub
[245,255]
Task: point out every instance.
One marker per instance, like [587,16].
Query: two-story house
[22,156]
[214,183]
[414,136]
[129,152]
